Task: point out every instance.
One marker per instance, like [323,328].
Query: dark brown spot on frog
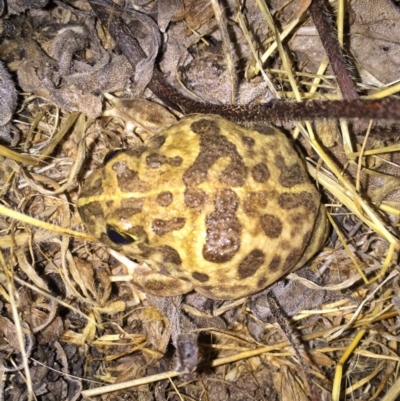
[274,264]
[213,146]
[135,152]
[223,228]
[195,197]
[289,201]
[165,269]
[155,160]
[262,282]
[292,259]
[146,250]
[271,225]
[131,206]
[290,175]
[156,286]
[234,175]
[205,126]
[255,200]
[247,141]
[260,173]
[207,290]
[128,180]
[110,203]
[195,176]
[202,277]
[227,293]
[168,254]
[164,198]
[251,263]
[92,188]
[250,203]
[91,212]
[156,142]
[297,219]
[262,198]
[162,227]
[304,218]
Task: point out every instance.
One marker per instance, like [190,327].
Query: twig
[327,33]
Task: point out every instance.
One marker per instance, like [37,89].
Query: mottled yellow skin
[210,206]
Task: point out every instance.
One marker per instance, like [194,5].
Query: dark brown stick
[383,109]
[327,33]
[286,327]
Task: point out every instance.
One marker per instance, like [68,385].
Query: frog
[207,205]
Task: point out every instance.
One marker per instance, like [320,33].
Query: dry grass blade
[393,392]
[20,332]
[18,157]
[221,20]
[23,218]
[349,197]
[243,26]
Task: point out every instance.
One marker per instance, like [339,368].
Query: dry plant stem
[340,20]
[386,109]
[219,14]
[342,361]
[18,157]
[5,211]
[8,274]
[286,327]
[286,64]
[393,393]
[360,159]
[327,33]
[258,63]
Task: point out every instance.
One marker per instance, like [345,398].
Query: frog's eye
[119,238]
[111,154]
